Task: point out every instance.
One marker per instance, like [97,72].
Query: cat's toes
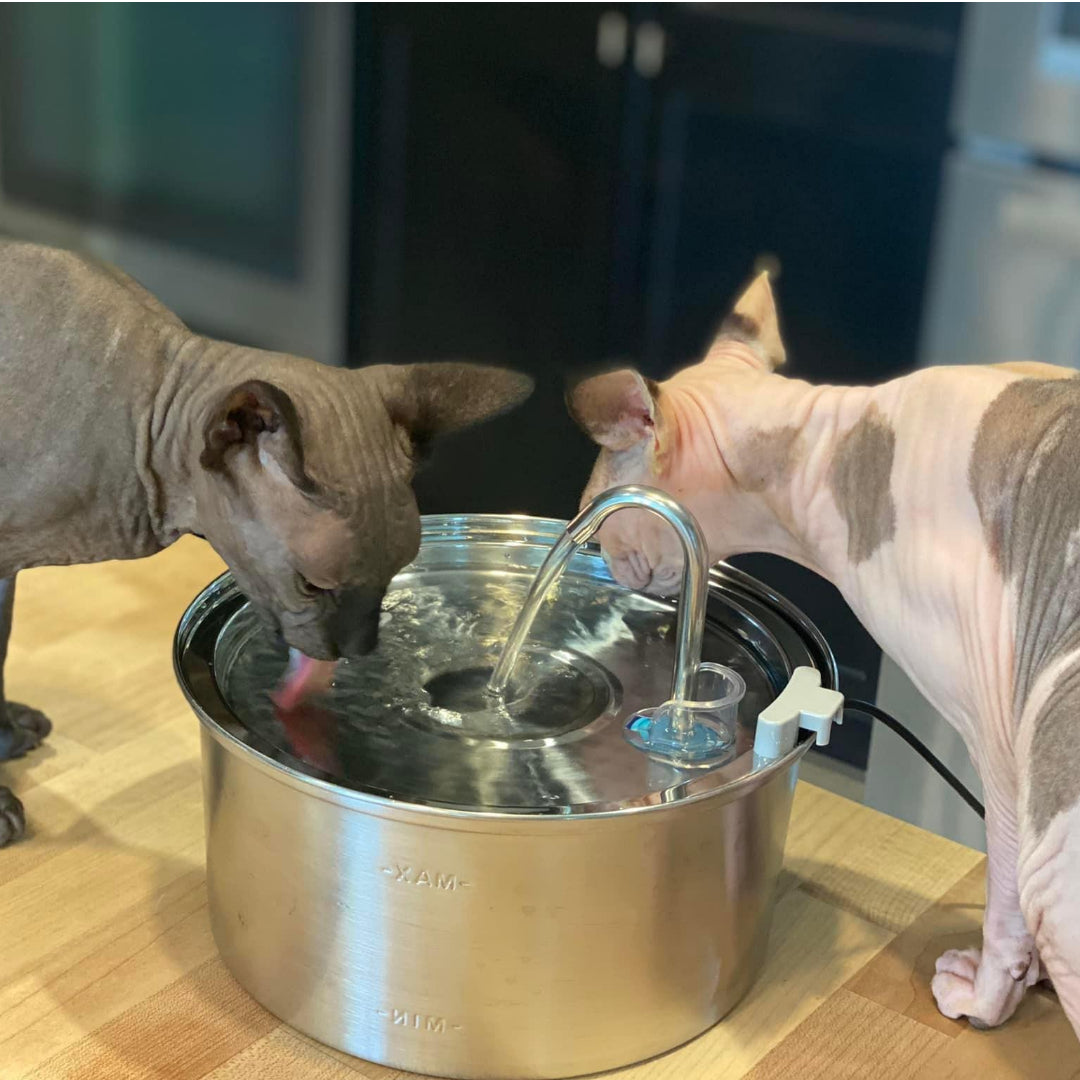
[954,993]
[21,730]
[964,963]
[12,819]
[987,998]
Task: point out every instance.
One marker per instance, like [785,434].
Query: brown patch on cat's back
[1054,781]
[860,480]
[765,457]
[1023,462]
[1024,476]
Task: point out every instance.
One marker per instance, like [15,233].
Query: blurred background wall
[557,186]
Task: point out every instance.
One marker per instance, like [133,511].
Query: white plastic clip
[804,703]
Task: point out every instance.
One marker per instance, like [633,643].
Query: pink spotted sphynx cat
[945,506]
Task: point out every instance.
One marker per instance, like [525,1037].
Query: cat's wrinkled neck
[764,443]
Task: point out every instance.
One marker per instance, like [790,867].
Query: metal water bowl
[449,887]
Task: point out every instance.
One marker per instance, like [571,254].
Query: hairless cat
[121,430]
[945,506]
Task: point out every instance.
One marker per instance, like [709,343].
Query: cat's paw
[12,819]
[21,730]
[986,992]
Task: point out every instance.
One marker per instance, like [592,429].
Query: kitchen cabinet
[497,134]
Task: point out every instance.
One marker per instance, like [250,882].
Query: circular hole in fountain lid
[552,695]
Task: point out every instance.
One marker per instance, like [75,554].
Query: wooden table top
[108,970]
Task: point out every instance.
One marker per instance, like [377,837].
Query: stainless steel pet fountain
[537,832]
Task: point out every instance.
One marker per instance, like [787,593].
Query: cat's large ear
[434,399]
[617,410]
[259,416]
[754,321]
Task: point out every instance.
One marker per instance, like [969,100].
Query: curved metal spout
[691,619]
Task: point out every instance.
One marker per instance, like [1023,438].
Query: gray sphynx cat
[121,430]
[945,506]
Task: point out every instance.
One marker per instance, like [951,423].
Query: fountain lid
[411,722]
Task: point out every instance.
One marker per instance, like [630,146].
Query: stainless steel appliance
[500,892]
[204,150]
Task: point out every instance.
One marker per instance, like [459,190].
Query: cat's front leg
[21,728]
[986,985]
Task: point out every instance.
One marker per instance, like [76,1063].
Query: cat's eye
[308,589]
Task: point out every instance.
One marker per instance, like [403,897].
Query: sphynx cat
[945,506]
[121,430]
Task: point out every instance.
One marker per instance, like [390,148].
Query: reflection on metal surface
[525,947]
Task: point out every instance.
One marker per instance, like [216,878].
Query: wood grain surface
[108,970]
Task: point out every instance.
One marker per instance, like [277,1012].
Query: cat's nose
[665,581]
[354,625]
[631,570]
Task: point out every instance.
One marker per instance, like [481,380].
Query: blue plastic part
[653,732]
[689,734]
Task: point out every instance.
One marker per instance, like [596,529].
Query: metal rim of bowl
[195,674]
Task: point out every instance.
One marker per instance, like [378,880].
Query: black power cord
[920,748]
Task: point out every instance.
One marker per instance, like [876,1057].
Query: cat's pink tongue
[304,678]
[310,729]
